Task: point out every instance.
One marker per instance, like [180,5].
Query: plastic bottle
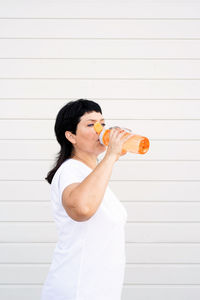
[136,144]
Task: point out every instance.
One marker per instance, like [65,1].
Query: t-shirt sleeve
[69,175]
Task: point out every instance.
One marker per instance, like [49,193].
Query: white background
[140,60]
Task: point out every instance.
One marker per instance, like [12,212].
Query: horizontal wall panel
[169,191]
[69,28]
[124,109]
[156,191]
[134,274]
[154,292]
[129,170]
[26,212]
[135,253]
[153,129]
[27,253]
[23,292]
[24,232]
[72,68]
[13,149]
[154,212]
[170,233]
[161,253]
[22,190]
[162,274]
[97,48]
[96,9]
[52,88]
[33,292]
[123,170]
[47,150]
[137,212]
[24,274]
[99,68]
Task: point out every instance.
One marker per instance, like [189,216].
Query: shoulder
[71,171]
[68,166]
[71,164]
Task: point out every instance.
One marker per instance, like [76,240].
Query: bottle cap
[98,127]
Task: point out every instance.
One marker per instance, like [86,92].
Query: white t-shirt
[89,257]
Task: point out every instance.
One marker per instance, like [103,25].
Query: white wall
[140,60]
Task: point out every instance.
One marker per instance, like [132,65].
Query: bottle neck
[101,135]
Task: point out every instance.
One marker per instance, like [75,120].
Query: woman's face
[87,140]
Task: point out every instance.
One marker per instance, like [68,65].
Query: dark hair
[67,120]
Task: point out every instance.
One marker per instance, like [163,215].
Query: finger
[116,131]
[122,133]
[118,134]
[113,133]
[120,137]
[126,137]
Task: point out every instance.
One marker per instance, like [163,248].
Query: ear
[70,136]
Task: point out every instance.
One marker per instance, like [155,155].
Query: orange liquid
[136,143]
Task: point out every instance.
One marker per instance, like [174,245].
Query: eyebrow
[95,120]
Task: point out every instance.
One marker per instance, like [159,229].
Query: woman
[89,257]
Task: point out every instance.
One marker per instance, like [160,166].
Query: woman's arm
[81,200]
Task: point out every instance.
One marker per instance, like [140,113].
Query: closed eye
[93,124]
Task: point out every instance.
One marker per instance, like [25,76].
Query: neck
[91,163]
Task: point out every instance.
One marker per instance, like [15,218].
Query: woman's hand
[117,138]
